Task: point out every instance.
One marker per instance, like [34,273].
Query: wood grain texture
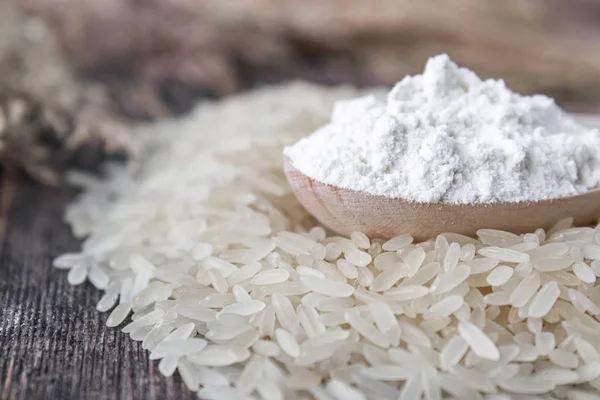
[345,211]
[53,342]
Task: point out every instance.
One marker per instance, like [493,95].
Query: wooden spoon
[345,211]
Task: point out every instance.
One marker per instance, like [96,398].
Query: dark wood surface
[53,342]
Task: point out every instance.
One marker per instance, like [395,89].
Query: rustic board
[53,342]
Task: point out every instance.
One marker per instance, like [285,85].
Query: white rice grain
[525,290]
[449,280]
[270,277]
[493,237]
[564,359]
[584,272]
[287,342]
[180,347]
[389,372]
[500,275]
[347,268]
[219,356]
[342,391]
[505,255]
[266,348]
[327,287]
[444,307]
[545,342]
[544,300]
[478,341]
[452,257]
[258,252]
[397,243]
[361,240]
[357,257]
[453,352]
[408,292]
[244,308]
[367,330]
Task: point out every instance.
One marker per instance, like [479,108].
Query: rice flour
[448,136]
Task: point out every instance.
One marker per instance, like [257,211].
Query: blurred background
[147,59]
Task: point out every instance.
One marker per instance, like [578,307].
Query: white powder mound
[448,136]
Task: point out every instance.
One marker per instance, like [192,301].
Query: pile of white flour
[448,136]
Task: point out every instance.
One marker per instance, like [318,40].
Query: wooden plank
[53,342]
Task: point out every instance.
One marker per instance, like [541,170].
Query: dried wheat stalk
[50,120]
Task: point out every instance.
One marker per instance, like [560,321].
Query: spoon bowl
[345,210]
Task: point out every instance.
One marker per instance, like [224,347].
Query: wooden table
[53,343]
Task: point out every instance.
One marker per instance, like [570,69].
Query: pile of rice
[233,285]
